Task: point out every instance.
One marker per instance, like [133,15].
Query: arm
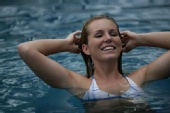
[159,68]
[34,54]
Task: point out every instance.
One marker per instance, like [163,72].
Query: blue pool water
[24,20]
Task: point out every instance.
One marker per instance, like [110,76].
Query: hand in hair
[128,40]
[74,41]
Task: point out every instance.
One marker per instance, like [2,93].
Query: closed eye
[113,33]
[98,35]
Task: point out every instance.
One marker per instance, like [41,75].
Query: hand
[128,40]
[74,41]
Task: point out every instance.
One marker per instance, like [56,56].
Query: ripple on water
[29,110]
[10,81]
[15,103]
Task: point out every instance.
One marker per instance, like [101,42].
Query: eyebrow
[98,31]
[102,30]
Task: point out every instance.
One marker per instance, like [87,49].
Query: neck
[106,70]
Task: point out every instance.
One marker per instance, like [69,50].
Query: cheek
[92,42]
[119,43]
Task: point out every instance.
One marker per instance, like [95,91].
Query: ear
[85,49]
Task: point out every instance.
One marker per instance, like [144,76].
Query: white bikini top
[94,93]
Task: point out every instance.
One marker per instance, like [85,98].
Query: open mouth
[108,48]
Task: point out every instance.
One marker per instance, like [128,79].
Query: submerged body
[118,105]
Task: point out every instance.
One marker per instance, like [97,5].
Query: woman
[101,45]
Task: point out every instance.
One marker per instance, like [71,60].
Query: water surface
[24,20]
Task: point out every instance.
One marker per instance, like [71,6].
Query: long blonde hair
[84,40]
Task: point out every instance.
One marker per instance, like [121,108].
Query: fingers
[74,34]
[125,32]
[127,40]
[77,41]
[77,35]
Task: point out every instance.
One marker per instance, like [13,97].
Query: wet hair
[84,40]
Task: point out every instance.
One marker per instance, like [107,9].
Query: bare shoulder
[138,76]
[81,84]
[81,81]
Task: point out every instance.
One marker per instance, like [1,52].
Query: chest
[113,87]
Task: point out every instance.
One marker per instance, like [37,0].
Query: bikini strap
[131,82]
[94,85]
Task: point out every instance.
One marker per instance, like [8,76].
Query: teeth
[108,48]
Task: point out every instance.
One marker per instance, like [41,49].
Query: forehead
[101,24]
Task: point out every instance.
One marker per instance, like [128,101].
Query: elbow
[23,49]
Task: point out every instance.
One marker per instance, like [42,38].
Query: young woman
[101,46]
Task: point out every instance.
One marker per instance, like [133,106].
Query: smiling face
[103,40]
[87,44]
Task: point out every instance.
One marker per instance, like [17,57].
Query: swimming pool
[22,92]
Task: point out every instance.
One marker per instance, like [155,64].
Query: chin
[112,57]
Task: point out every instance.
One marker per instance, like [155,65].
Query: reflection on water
[25,20]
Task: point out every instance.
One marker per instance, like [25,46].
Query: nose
[107,38]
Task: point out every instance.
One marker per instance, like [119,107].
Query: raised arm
[34,54]
[159,68]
